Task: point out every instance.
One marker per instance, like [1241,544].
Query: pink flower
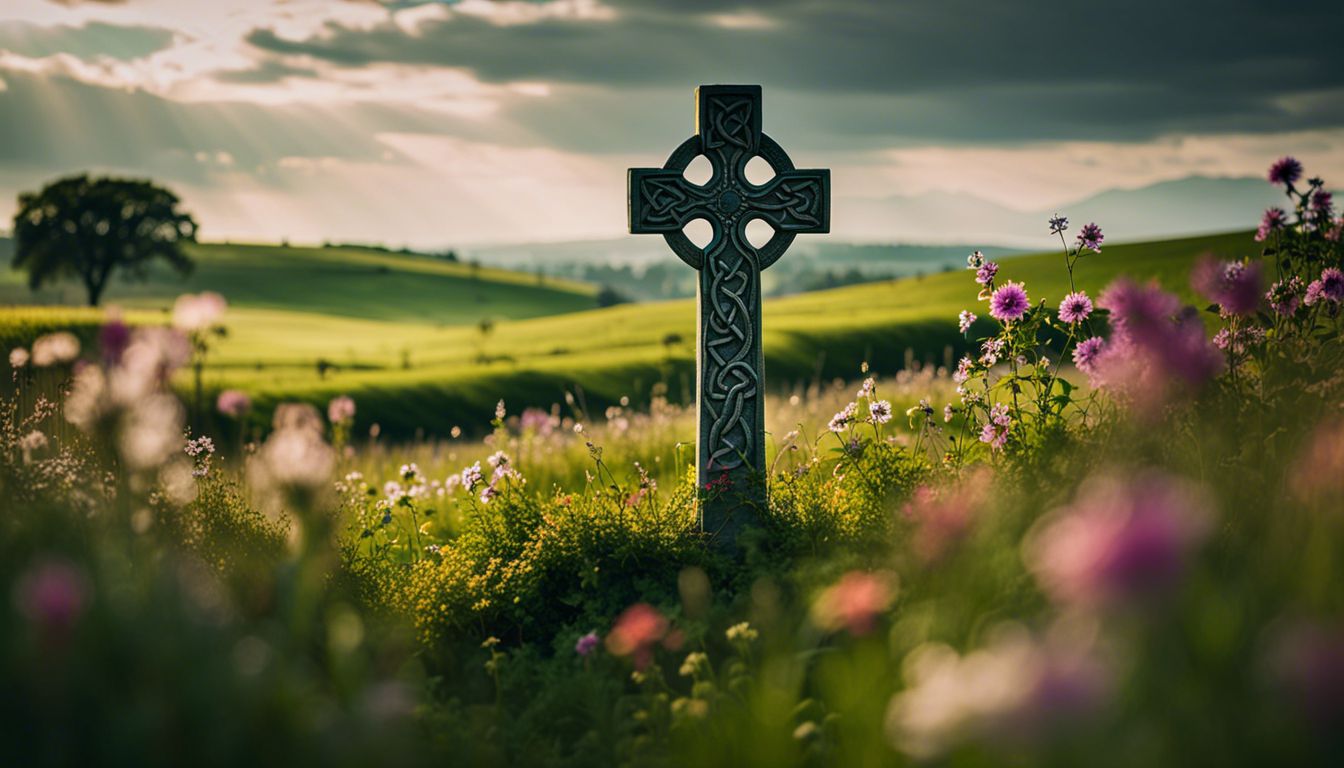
[636,632]
[1233,285]
[854,602]
[341,410]
[943,516]
[1156,348]
[964,321]
[1274,220]
[52,596]
[233,403]
[1009,302]
[586,644]
[1075,308]
[1332,284]
[1318,473]
[1086,353]
[1123,538]
[198,312]
[995,431]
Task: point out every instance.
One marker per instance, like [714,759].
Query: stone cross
[730,456]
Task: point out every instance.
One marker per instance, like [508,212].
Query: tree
[89,228]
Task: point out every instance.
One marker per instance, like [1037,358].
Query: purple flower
[587,644]
[1090,237]
[52,595]
[843,419]
[1155,346]
[1009,303]
[1233,285]
[1275,219]
[471,476]
[1075,308]
[1322,203]
[963,371]
[113,339]
[1315,292]
[1085,354]
[1236,342]
[1285,296]
[233,403]
[1123,538]
[1285,171]
[1058,224]
[985,274]
[964,320]
[1332,284]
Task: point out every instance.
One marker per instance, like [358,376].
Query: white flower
[197,312]
[18,357]
[53,349]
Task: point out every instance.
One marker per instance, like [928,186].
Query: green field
[402,331]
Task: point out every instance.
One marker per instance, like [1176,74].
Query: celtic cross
[730,456]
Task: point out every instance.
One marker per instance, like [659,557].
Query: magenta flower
[1332,284]
[113,340]
[1233,285]
[52,596]
[233,403]
[1009,302]
[995,431]
[1090,237]
[1123,538]
[1285,171]
[986,273]
[1274,220]
[1155,346]
[1322,203]
[587,644]
[1285,296]
[944,516]
[1075,308]
[1315,293]
[1086,353]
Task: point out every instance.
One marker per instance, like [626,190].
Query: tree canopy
[89,228]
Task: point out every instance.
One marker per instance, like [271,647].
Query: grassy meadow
[402,334]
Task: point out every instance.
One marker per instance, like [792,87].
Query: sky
[432,124]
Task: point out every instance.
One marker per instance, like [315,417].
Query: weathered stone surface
[730,368]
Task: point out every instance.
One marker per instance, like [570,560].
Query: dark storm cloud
[950,70]
[86,42]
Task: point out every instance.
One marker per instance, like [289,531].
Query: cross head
[730,396]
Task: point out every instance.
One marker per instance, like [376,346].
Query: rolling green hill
[410,371]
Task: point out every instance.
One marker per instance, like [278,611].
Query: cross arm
[662,201]
[797,201]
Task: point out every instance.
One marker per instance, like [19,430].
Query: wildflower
[1123,538]
[1238,341]
[455,432]
[1315,293]
[586,644]
[233,403]
[18,357]
[1155,346]
[151,431]
[636,632]
[31,443]
[295,461]
[1274,220]
[741,633]
[995,431]
[695,662]
[490,491]
[1009,303]
[944,515]
[1090,237]
[964,321]
[868,387]
[52,596]
[113,339]
[1015,688]
[55,349]
[1285,171]
[986,273]
[1233,285]
[854,602]
[1285,296]
[499,410]
[1332,284]
[879,411]
[948,412]
[472,476]
[198,312]
[1086,353]
[990,351]
[1318,473]
[975,260]
[1075,308]
[1058,224]
[963,372]
[341,410]
[1322,203]
[843,418]
[201,446]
